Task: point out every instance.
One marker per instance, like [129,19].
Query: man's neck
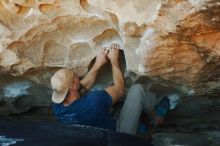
[71,97]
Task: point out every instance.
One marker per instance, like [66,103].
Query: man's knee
[142,92]
[136,87]
[136,92]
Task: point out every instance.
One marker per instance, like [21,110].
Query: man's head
[61,82]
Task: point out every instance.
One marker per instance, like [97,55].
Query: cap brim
[58,97]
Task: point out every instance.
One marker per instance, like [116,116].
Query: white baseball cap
[61,82]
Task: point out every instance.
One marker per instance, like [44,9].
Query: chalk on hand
[107,49]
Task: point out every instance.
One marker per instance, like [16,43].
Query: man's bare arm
[117,90]
[90,77]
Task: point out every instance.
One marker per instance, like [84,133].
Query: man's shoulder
[56,107]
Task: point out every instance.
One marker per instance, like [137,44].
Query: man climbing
[73,106]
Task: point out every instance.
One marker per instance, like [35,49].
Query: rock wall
[177,40]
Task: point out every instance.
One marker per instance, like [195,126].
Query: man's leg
[137,99]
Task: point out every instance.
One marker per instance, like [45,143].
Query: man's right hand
[101,58]
[113,53]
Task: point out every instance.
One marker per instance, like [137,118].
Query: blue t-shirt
[91,109]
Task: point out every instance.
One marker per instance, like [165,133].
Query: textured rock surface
[19,94]
[210,138]
[195,122]
[177,40]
